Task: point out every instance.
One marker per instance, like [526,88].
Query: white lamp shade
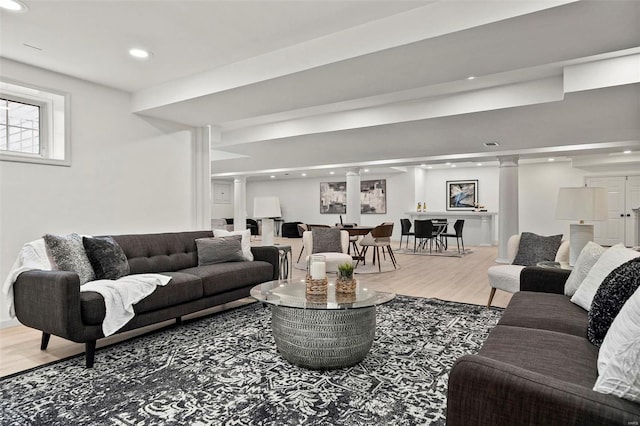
[582,203]
[264,207]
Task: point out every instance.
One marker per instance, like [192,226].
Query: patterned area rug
[225,370]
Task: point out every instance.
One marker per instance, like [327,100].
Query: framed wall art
[333,197]
[373,196]
[462,194]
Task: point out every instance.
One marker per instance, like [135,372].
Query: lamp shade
[264,207]
[582,203]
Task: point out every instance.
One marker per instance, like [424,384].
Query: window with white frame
[33,125]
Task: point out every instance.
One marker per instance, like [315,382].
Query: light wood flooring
[448,278]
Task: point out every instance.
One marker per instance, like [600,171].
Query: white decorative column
[636,238]
[508,212]
[353,196]
[240,203]
[202,176]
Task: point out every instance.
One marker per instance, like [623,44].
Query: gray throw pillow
[219,250]
[107,258]
[67,254]
[535,248]
[612,294]
[326,240]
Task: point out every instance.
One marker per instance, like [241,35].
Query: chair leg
[392,256]
[493,292]
[44,342]
[379,263]
[300,255]
[462,240]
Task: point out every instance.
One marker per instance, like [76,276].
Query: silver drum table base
[323,339]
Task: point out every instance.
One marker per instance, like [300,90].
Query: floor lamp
[266,208]
[582,203]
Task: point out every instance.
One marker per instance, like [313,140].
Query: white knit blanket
[119,295]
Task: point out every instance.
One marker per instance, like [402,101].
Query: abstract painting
[333,197]
[373,196]
[462,194]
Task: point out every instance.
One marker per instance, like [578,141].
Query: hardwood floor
[448,278]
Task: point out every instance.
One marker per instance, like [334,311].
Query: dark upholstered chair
[457,235]
[405,226]
[290,230]
[252,225]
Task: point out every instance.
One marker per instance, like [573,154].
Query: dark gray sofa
[51,301]
[536,367]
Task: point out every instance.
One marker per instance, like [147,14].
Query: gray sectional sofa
[537,366]
[51,301]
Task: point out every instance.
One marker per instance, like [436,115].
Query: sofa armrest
[50,301]
[543,280]
[483,391]
[268,254]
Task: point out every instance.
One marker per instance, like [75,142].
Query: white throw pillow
[587,258]
[610,260]
[619,356]
[246,240]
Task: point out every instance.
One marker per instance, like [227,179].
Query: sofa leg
[178,320]
[45,341]
[493,292]
[90,352]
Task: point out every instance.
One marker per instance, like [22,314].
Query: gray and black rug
[225,370]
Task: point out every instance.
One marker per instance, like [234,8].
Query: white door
[613,230]
[632,202]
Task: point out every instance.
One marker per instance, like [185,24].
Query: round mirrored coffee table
[321,332]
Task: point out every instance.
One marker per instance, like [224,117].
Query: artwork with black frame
[333,197]
[462,194]
[373,196]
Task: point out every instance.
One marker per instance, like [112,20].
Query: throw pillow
[107,257]
[219,250]
[246,240]
[612,294]
[326,240]
[619,356]
[586,259]
[610,260]
[67,254]
[535,248]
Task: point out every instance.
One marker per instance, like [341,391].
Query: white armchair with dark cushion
[332,243]
[507,277]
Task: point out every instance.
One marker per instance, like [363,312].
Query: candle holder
[316,278]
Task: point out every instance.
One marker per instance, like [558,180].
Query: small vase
[345,285]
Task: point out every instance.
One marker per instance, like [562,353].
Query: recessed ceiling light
[332,173]
[429,167]
[448,163]
[366,170]
[272,177]
[491,144]
[552,159]
[304,174]
[479,164]
[628,151]
[423,165]
[471,77]
[139,53]
[13,5]
[453,165]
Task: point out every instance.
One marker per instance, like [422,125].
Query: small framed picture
[462,194]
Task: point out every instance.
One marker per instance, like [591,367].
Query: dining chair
[423,230]
[379,237]
[405,228]
[458,226]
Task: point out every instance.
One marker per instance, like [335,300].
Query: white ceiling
[293,86]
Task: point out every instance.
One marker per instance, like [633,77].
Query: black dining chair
[405,227]
[423,230]
[457,235]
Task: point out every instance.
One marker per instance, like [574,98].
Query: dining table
[355,231]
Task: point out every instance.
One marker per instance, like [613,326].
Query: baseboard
[9,323]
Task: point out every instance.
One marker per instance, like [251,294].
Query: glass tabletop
[293,294]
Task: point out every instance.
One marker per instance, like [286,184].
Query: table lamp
[582,204]
[266,208]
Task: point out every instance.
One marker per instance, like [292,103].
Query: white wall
[436,186]
[300,199]
[127,175]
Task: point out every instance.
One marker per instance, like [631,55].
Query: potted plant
[345,282]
